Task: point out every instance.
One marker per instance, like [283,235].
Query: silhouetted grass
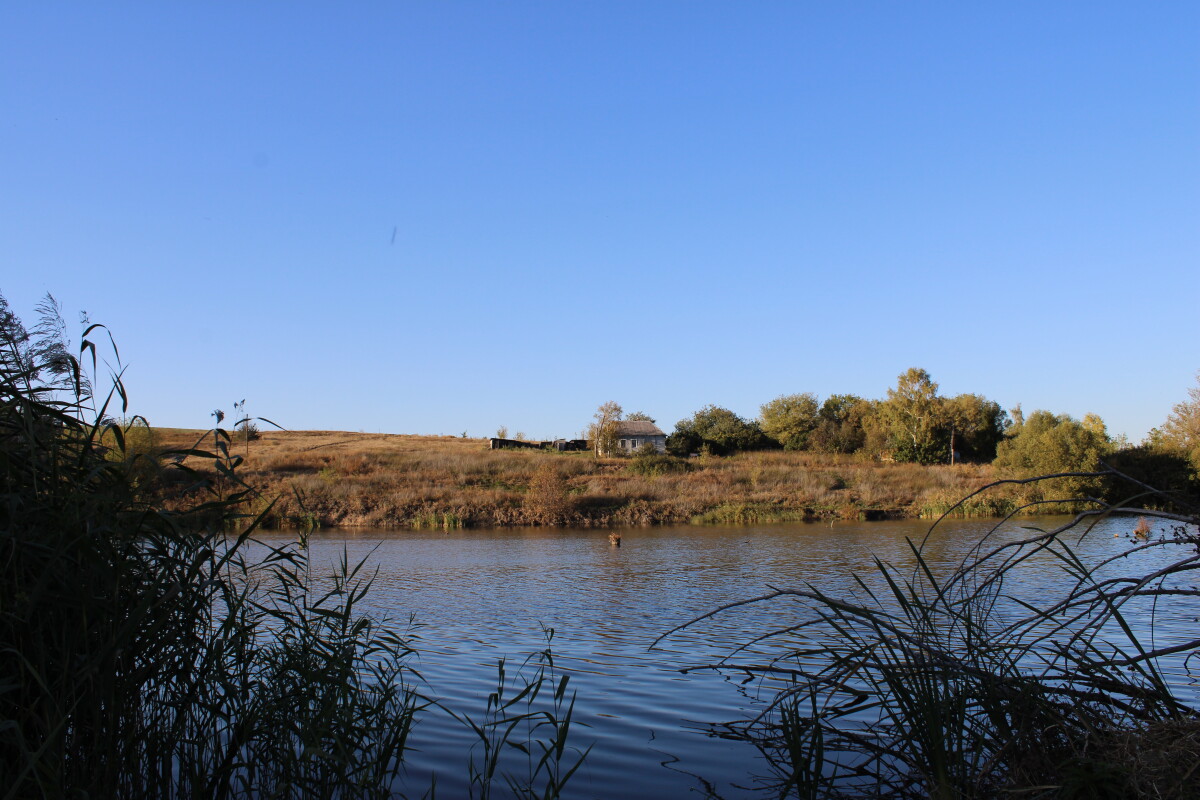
[148,652]
[926,684]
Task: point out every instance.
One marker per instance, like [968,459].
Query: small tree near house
[603,432]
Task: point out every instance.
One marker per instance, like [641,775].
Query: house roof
[638,427]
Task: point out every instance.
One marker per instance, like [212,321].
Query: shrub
[840,424]
[718,431]
[1046,443]
[790,419]
[651,463]
[547,501]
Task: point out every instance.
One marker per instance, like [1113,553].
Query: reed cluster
[155,652]
[928,683]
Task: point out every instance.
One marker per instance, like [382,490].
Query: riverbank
[344,479]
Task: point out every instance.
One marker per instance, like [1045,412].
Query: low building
[562,445]
[633,435]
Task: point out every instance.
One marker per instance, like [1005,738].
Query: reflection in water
[483,595]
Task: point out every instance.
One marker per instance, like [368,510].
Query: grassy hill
[338,478]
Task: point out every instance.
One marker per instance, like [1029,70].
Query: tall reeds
[154,653]
[146,653]
[961,684]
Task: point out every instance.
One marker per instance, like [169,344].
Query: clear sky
[444,216]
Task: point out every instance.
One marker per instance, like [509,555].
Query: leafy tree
[640,416]
[790,419]
[877,439]
[1095,424]
[1181,432]
[245,425]
[1048,443]
[975,425]
[1157,467]
[719,430]
[913,418]
[840,424]
[603,432]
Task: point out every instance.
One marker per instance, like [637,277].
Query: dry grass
[1161,759]
[336,478]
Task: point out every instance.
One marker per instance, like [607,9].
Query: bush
[718,431]
[651,463]
[790,420]
[547,501]
[1046,443]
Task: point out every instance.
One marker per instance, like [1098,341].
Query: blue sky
[438,217]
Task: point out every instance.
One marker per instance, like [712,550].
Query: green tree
[975,426]
[1181,432]
[718,430]
[790,419]
[603,431]
[914,418]
[840,424]
[1047,443]
[640,416]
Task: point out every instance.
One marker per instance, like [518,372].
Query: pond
[482,595]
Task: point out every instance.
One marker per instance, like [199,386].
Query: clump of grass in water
[523,723]
[924,686]
[434,520]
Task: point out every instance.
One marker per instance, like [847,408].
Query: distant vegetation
[336,479]
[844,458]
[913,424]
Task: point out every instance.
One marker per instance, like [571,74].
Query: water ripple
[486,595]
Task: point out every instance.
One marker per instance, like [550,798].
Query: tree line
[915,423]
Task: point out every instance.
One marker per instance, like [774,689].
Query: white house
[632,435]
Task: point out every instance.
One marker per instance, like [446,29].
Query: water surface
[482,595]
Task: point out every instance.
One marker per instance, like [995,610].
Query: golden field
[342,479]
